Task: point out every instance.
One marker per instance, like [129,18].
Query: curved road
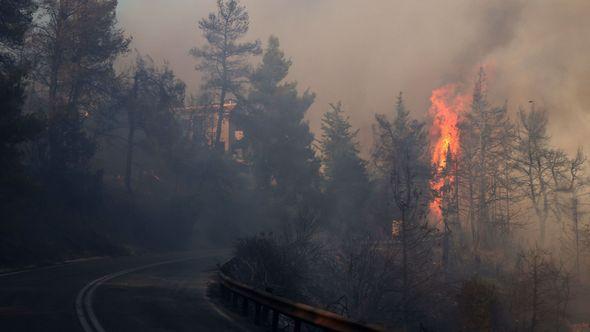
[146,293]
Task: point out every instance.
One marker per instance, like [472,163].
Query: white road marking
[31,270]
[50,267]
[84,309]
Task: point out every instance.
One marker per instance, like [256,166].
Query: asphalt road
[147,293]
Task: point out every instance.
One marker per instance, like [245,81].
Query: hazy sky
[363,52]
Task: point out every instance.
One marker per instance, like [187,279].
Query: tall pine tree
[401,152]
[346,181]
[15,127]
[486,143]
[224,58]
[280,142]
[73,48]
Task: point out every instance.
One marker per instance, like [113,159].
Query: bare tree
[574,186]
[539,169]
[357,277]
[539,292]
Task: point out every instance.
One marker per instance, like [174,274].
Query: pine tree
[280,142]
[74,49]
[449,209]
[402,153]
[17,16]
[486,140]
[15,127]
[224,58]
[344,170]
[152,96]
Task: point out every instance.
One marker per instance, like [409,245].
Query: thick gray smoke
[364,52]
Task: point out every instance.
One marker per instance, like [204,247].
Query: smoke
[490,26]
[364,52]
[546,62]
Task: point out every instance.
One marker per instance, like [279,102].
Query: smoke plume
[364,52]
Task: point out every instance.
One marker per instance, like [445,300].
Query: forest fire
[447,103]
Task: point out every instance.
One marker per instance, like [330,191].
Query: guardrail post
[264,313]
[234,298]
[256,313]
[245,306]
[224,292]
[275,321]
[265,304]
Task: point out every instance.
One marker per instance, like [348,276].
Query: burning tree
[447,106]
[471,154]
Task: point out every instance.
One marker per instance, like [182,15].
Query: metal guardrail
[265,303]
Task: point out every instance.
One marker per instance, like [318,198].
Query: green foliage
[16,20]
[400,156]
[339,145]
[15,127]
[157,96]
[224,59]
[74,47]
[347,183]
[275,67]
[49,196]
[279,137]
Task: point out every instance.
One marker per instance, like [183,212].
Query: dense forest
[464,217]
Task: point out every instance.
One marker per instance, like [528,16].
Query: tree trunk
[53,89]
[535,285]
[482,209]
[446,246]
[576,231]
[472,221]
[131,114]
[220,115]
[543,220]
[129,165]
[405,291]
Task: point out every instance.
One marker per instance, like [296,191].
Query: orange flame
[447,104]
